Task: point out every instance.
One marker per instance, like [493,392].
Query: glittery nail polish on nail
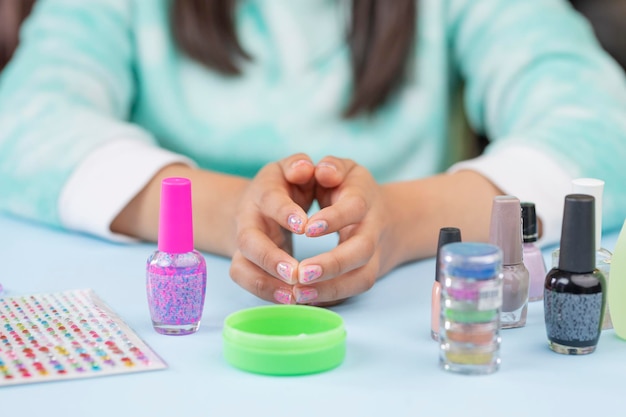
[317,228]
[285,272]
[310,273]
[295,223]
[305,294]
[283,296]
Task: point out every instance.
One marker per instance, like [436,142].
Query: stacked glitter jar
[471,301]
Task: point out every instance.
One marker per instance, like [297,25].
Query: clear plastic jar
[471,302]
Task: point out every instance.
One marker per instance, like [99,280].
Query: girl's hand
[379,226]
[354,205]
[272,207]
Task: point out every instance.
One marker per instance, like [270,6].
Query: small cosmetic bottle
[175,272]
[446,235]
[574,293]
[594,187]
[506,233]
[533,258]
[617,286]
[471,297]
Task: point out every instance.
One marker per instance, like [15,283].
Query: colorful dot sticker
[71,334]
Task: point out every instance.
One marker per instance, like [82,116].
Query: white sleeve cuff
[105,182]
[531,176]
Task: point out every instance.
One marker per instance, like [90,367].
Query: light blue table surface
[390,369]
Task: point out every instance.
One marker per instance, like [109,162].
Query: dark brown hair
[380,40]
[12,13]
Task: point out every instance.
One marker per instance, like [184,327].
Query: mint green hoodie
[98,99]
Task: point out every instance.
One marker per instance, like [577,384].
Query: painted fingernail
[327,165]
[283,296]
[310,273]
[305,294]
[296,224]
[301,162]
[317,228]
[285,271]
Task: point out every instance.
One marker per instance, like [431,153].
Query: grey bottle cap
[446,235]
[506,228]
[577,251]
[529,223]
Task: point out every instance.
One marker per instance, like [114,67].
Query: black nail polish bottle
[574,292]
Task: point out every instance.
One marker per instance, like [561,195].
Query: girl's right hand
[273,206]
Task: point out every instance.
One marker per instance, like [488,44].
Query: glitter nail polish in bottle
[533,258]
[175,272]
[595,188]
[575,291]
[506,233]
[446,235]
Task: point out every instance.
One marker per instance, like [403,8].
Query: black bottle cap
[578,247]
[446,235]
[529,222]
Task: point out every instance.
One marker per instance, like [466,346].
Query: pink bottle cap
[175,222]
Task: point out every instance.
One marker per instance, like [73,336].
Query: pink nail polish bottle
[533,258]
[175,272]
[446,235]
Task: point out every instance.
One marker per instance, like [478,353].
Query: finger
[347,204]
[256,281]
[298,169]
[350,209]
[299,172]
[349,255]
[335,290]
[258,248]
[278,199]
[330,171]
[276,204]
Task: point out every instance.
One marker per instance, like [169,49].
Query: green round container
[284,339]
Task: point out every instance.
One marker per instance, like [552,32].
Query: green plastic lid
[284,339]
